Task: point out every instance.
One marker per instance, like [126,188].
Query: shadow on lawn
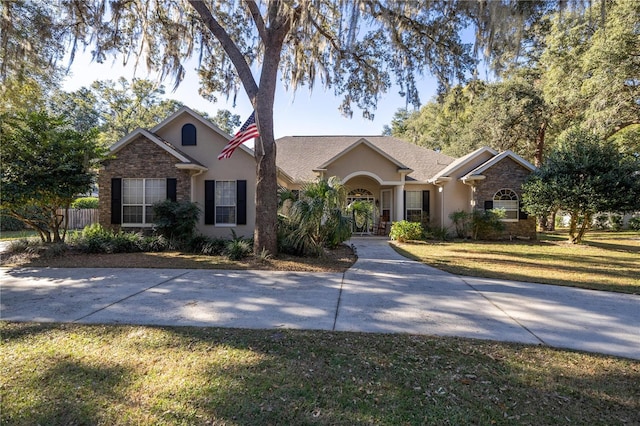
[304,377]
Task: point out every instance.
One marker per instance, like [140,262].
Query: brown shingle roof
[299,155]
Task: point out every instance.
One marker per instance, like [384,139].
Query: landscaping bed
[334,260]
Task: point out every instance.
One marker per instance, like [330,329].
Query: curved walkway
[382,292]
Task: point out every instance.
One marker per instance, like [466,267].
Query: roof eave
[191,166]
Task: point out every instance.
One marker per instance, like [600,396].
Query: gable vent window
[507,200]
[188,134]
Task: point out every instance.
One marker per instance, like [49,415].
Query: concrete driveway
[383,292]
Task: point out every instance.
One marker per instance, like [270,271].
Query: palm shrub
[634,223]
[238,247]
[315,220]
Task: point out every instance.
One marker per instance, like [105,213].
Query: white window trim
[517,200]
[406,209]
[234,205]
[144,186]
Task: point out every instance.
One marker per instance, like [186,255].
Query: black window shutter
[172,189]
[425,202]
[404,205]
[116,201]
[488,205]
[209,202]
[241,202]
[522,215]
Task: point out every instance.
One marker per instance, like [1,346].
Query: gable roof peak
[186,110]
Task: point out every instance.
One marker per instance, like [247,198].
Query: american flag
[249,130]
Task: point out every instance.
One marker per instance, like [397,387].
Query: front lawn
[66,374]
[606,261]
[16,235]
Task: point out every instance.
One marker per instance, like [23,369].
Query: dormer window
[188,134]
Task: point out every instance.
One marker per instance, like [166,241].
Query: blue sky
[299,113]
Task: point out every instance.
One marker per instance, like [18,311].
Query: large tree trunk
[262,97]
[266,225]
[575,234]
[539,148]
[265,237]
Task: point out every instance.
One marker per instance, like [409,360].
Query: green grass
[15,235]
[606,261]
[54,374]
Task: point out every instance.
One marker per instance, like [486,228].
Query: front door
[361,204]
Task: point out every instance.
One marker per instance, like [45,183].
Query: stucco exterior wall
[363,158]
[455,196]
[241,166]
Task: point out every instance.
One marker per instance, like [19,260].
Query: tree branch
[236,57]
[257,19]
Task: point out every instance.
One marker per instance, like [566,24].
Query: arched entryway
[361,203]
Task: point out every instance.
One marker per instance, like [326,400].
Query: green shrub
[634,223]
[201,244]
[175,220]
[461,221]
[214,247]
[616,222]
[8,223]
[486,222]
[85,203]
[601,221]
[95,239]
[440,233]
[35,246]
[154,243]
[237,249]
[404,231]
[23,245]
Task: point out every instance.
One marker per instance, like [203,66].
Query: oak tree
[583,175]
[358,49]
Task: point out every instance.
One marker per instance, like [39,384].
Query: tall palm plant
[316,219]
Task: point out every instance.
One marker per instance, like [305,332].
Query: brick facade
[506,174]
[140,158]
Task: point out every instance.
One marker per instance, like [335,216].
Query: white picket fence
[79,218]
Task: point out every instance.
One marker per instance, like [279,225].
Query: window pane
[226,202]
[510,208]
[225,193]
[132,191]
[413,206]
[148,214]
[414,200]
[386,200]
[225,215]
[132,214]
[414,215]
[155,190]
